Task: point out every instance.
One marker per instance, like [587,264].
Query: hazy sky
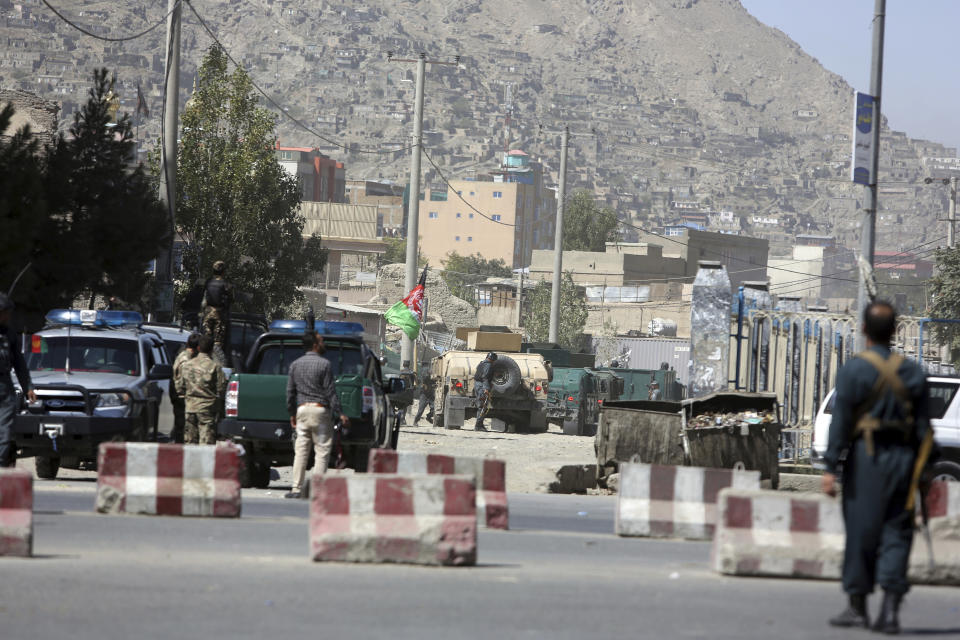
[921,72]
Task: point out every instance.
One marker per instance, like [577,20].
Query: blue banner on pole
[862,139]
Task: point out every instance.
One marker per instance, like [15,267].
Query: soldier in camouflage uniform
[187,354]
[217,298]
[202,385]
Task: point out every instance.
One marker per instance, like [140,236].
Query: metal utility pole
[558,240]
[413,204]
[168,156]
[868,225]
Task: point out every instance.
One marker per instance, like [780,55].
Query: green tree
[235,202]
[460,272]
[76,217]
[945,289]
[117,223]
[586,225]
[573,313]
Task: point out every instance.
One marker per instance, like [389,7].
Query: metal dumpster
[724,430]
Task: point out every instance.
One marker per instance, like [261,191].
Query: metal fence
[797,354]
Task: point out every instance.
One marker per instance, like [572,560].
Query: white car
[944,415]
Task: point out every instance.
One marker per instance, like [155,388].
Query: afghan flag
[408,313]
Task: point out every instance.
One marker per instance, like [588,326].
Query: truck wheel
[439,397]
[246,472]
[943,470]
[47,467]
[505,376]
[261,475]
[574,427]
[359,457]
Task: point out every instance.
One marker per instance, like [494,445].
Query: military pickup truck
[256,409]
[99,376]
[519,386]
[576,396]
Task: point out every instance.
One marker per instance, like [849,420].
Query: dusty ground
[532,459]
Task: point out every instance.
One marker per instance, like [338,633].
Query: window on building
[434,215]
[459,193]
[458,214]
[496,217]
[498,194]
[471,216]
[469,238]
[472,193]
[456,238]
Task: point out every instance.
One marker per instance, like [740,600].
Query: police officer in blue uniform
[880,418]
[11,359]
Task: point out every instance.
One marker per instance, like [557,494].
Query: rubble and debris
[738,419]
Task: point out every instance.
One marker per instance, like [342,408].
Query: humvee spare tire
[505,376]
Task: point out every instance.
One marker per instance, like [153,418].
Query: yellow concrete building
[507,218]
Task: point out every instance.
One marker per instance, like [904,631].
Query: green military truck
[576,395]
[256,409]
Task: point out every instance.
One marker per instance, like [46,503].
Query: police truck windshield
[345,358]
[98,355]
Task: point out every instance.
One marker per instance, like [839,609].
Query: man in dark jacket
[481,384]
[425,397]
[11,359]
[880,418]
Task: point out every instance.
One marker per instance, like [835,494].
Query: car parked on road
[944,416]
[99,377]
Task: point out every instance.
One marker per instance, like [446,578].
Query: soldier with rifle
[881,424]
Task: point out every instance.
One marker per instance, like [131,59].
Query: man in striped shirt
[312,403]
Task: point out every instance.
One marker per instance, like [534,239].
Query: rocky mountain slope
[690,101]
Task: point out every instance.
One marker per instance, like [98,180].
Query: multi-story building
[507,217]
[322,179]
[388,198]
[745,258]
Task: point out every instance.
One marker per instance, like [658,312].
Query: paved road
[559,573]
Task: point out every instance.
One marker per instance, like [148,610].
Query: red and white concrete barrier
[416,518]
[168,479]
[673,502]
[16,512]
[491,475]
[768,533]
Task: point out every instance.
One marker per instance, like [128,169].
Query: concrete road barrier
[766,533]
[673,502]
[491,475]
[415,518]
[168,479]
[16,513]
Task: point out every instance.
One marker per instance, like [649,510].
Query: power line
[107,38]
[283,111]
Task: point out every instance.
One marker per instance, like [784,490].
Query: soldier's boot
[855,615]
[888,621]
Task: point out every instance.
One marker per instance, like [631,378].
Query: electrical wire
[280,108]
[107,38]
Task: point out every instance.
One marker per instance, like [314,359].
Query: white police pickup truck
[944,416]
[98,377]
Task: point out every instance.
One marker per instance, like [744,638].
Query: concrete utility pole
[168,156]
[558,240]
[413,204]
[868,225]
[952,215]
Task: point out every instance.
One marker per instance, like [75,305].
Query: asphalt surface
[559,573]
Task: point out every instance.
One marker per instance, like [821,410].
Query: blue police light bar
[323,327]
[91,318]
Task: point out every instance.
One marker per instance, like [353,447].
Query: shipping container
[651,353]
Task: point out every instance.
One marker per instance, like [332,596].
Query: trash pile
[737,419]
